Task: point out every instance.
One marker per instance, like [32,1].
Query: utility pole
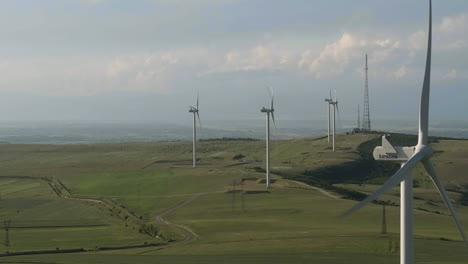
[384,220]
[6,225]
[138,193]
[242,193]
[233,193]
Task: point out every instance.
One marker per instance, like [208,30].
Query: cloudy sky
[119,60]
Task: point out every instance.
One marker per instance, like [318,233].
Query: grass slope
[294,223]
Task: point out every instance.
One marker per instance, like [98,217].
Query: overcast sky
[98,60]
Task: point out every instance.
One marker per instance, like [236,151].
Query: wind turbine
[196,114]
[335,109]
[268,111]
[329,100]
[410,156]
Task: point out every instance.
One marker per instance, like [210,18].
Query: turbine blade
[424,108]
[337,109]
[272,96]
[330,95]
[199,122]
[270,91]
[399,176]
[273,118]
[276,131]
[339,118]
[271,104]
[197,99]
[440,187]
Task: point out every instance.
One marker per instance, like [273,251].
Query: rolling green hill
[112,195]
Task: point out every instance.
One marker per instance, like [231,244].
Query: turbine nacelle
[266,110]
[392,153]
[193,109]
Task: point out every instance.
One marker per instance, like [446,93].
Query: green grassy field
[40,220]
[293,223]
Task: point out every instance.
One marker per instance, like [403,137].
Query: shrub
[150,229]
[238,157]
[464,199]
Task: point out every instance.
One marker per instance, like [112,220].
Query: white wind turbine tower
[196,114]
[329,100]
[334,104]
[410,156]
[268,111]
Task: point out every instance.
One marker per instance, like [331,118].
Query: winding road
[189,234]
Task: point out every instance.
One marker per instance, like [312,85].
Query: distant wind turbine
[329,100]
[196,114]
[410,157]
[268,111]
[334,104]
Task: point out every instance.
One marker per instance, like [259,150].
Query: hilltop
[98,196]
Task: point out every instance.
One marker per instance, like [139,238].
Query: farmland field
[112,195]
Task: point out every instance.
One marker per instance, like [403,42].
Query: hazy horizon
[84,132]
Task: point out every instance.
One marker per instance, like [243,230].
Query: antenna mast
[366,126]
[358,118]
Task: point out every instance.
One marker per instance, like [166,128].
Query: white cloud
[458,44]
[257,58]
[452,74]
[383,43]
[347,55]
[417,40]
[452,32]
[334,57]
[401,72]
[453,23]
[92,2]
[390,56]
[85,75]
[381,53]
[156,71]
[116,67]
